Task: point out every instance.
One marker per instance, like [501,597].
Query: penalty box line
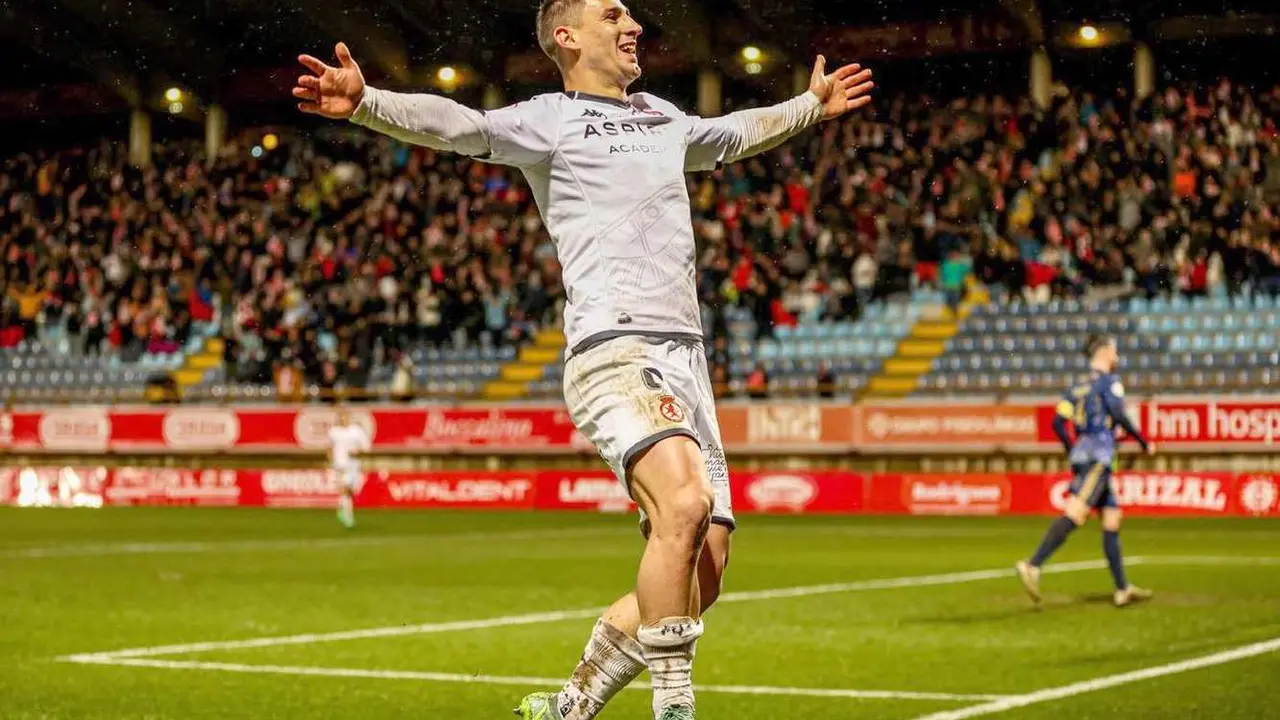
[531,682]
[1079,688]
[562,615]
[146,657]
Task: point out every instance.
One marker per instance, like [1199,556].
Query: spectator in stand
[758,383]
[402,379]
[826,380]
[1098,193]
[955,278]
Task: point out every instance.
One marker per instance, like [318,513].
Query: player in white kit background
[347,443]
[606,169]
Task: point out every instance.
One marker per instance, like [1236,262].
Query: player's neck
[588,84]
[1099,367]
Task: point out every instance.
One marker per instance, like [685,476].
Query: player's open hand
[844,90]
[332,92]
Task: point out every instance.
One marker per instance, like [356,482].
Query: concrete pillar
[492,97]
[1144,71]
[1041,78]
[215,132]
[140,138]
[800,79]
[710,100]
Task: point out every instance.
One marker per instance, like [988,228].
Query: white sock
[346,510]
[668,649]
[609,663]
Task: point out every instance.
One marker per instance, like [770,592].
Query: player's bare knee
[1077,511]
[1111,519]
[684,514]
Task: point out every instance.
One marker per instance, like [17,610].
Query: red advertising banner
[799,493]
[908,427]
[1208,424]
[1226,424]
[781,492]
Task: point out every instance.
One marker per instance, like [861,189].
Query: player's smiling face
[610,39]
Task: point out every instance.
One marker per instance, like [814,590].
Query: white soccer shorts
[350,477]
[628,393]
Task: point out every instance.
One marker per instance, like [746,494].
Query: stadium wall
[272,456]
[1179,424]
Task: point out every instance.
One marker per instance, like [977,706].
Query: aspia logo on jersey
[618,129]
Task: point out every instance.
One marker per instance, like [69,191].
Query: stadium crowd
[336,250]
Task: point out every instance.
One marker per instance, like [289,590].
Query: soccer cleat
[1030,576]
[1130,595]
[539,706]
[677,712]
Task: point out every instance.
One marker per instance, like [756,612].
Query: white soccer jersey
[608,177]
[345,441]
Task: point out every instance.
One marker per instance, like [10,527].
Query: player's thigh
[696,386]
[1091,483]
[669,482]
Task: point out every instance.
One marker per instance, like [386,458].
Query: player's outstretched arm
[340,93]
[745,133]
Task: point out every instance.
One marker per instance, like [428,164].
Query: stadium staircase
[530,365]
[198,363]
[914,357]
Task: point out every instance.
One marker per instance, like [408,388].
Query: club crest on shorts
[670,408]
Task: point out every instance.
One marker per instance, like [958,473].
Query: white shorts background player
[606,169]
[346,443]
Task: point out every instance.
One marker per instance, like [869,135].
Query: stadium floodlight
[447,74]
[256,151]
[270,141]
[754,68]
[1088,33]
[173,95]
[752,54]
[175,108]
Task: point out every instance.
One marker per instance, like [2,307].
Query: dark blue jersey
[1094,408]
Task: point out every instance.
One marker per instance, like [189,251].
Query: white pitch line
[908,581]
[1088,686]
[179,547]
[313,638]
[558,616]
[521,680]
[1213,560]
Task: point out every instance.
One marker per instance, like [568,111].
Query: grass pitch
[189,614]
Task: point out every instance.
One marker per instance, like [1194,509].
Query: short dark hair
[1096,342]
[551,15]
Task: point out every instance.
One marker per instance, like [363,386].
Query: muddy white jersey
[608,178]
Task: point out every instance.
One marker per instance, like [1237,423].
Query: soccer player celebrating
[346,443]
[1094,408]
[606,169]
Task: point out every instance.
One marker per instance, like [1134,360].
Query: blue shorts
[1092,484]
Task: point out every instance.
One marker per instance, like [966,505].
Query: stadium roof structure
[137,46]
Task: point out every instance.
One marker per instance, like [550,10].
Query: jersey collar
[575,95]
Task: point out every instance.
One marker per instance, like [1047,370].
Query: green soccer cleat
[539,706]
[677,712]
[1030,576]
